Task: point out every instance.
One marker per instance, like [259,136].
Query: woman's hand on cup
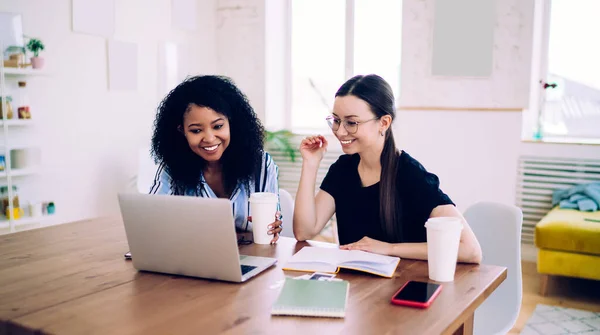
[275,228]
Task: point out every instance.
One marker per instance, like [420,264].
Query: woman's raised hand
[313,148]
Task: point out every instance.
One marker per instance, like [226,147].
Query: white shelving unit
[17,123]
[12,71]
[26,223]
[19,172]
[8,224]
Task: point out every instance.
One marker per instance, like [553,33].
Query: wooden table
[72,279]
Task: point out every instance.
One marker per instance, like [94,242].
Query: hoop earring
[382,133]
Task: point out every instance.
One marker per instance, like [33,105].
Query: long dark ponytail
[376,92]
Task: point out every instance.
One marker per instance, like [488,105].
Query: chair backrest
[287,211]
[146,170]
[498,230]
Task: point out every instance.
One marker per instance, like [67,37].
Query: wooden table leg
[467,327]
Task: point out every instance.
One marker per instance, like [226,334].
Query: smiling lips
[347,142]
[212,148]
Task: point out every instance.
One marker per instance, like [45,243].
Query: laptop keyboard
[247,268]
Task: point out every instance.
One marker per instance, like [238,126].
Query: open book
[330,260]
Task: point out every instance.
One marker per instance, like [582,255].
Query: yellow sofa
[568,243]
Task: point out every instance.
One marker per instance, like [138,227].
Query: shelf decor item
[35,209]
[22,101]
[16,56]
[7,103]
[51,208]
[24,113]
[35,45]
[25,158]
[17,212]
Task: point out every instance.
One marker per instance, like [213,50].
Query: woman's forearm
[410,250]
[305,216]
[466,254]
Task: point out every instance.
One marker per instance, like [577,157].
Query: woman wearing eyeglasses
[381,197]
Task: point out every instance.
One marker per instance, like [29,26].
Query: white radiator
[538,177]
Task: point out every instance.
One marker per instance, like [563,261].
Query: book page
[328,260]
[336,256]
[331,256]
[363,256]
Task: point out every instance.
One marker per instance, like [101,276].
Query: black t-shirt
[357,207]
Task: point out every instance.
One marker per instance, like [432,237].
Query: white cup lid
[263,197]
[444,223]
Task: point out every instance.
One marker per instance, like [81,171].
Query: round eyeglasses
[350,125]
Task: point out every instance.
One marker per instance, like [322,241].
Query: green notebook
[312,298]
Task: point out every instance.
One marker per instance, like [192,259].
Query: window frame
[348,65]
[532,124]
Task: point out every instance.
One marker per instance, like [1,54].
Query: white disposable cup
[443,238]
[263,206]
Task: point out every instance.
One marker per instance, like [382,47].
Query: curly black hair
[242,158]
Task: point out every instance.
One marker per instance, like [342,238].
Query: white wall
[508,84]
[277,63]
[89,135]
[252,49]
[241,47]
[474,153]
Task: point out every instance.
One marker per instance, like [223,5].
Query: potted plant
[35,45]
[281,140]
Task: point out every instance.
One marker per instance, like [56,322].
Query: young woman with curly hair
[208,142]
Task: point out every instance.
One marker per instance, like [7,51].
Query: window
[566,97]
[334,40]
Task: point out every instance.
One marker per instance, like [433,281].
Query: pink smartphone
[416,294]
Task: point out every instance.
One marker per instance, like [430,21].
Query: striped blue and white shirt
[267,178]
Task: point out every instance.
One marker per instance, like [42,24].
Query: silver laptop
[188,236]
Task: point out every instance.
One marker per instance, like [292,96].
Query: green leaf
[35,45]
[281,140]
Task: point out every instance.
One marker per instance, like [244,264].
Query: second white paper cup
[443,238]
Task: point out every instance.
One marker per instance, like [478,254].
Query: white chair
[498,229]
[287,211]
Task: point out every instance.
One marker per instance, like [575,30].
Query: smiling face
[353,113]
[206,131]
